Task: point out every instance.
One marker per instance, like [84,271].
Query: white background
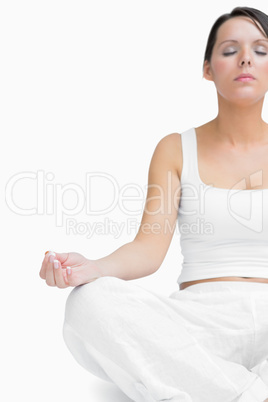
[86,86]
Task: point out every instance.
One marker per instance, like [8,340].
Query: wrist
[98,268]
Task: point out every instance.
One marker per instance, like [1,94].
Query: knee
[88,301]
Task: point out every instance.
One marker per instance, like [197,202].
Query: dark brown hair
[252,13]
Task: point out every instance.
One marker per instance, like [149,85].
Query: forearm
[131,261]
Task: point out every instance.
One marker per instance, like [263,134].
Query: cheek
[220,68]
[262,70]
[266,68]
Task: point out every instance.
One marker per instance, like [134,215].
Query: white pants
[206,343]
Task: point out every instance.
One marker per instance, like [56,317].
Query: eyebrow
[235,41]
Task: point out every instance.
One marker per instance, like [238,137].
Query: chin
[245,99]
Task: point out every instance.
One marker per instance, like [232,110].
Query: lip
[245,77]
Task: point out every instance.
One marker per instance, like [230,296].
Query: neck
[240,125]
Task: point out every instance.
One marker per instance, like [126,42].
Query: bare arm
[131,261]
[145,254]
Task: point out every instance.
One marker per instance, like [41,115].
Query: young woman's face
[245,50]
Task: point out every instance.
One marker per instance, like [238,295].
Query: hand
[73,269]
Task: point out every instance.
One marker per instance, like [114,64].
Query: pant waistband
[241,286]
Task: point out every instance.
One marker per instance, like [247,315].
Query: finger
[58,275]
[50,257]
[67,276]
[42,272]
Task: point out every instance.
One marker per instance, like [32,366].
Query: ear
[207,74]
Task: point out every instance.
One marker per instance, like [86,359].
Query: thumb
[62,257]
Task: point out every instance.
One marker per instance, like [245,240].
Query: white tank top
[223,232]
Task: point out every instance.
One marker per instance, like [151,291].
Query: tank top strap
[189,174]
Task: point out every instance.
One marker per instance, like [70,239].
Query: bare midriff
[224,278]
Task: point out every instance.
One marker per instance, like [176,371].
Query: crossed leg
[139,340]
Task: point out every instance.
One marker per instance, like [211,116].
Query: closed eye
[230,53]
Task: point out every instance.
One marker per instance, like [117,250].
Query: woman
[208,340]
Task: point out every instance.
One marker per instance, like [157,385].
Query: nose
[245,59]
[245,62]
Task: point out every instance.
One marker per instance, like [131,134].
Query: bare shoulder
[169,148]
